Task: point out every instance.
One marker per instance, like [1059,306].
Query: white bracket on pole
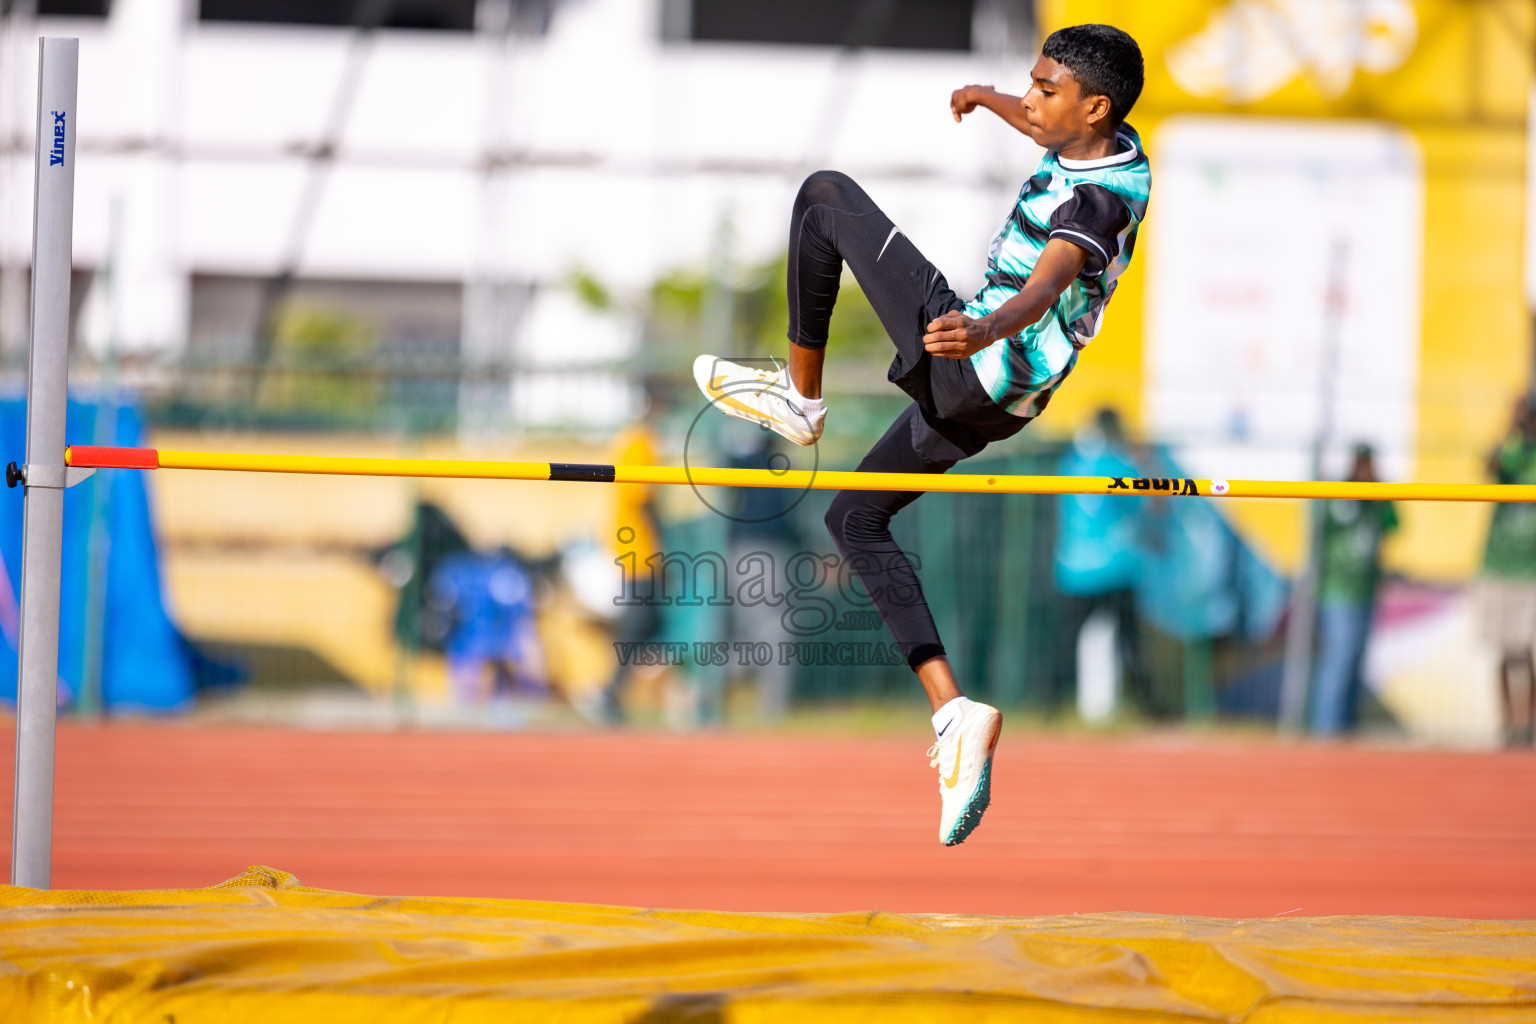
[46,476]
[37,677]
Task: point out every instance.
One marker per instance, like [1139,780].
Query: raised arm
[1009,108]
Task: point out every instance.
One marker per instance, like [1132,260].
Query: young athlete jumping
[977,371]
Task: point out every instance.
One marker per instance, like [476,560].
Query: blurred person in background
[761,539]
[1506,589]
[1348,573]
[493,648]
[408,564]
[977,372]
[1098,556]
[636,537]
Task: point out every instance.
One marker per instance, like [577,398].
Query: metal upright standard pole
[44,475]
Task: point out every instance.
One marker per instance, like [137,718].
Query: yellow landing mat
[261,947]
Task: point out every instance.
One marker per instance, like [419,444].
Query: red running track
[773,823]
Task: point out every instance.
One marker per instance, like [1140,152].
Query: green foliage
[315,335]
[321,362]
[759,316]
[590,292]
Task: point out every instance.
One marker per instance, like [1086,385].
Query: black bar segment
[590,472]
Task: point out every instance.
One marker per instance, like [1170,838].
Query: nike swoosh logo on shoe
[720,396]
[950,782]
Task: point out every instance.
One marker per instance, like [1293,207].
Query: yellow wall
[1462,92]
[270,558]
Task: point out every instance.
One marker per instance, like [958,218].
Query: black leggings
[860,523]
[951,416]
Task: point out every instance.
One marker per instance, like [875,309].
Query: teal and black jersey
[1095,204]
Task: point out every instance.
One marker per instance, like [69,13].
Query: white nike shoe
[963,756]
[759,396]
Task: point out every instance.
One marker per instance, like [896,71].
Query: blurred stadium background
[505,228]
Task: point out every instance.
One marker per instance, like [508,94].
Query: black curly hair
[1104,60]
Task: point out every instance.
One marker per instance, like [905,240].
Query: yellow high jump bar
[92,457]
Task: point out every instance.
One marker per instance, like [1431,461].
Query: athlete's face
[1056,109]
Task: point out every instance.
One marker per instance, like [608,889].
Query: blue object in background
[1098,536]
[489,597]
[145,663]
[1194,577]
[1198,578]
